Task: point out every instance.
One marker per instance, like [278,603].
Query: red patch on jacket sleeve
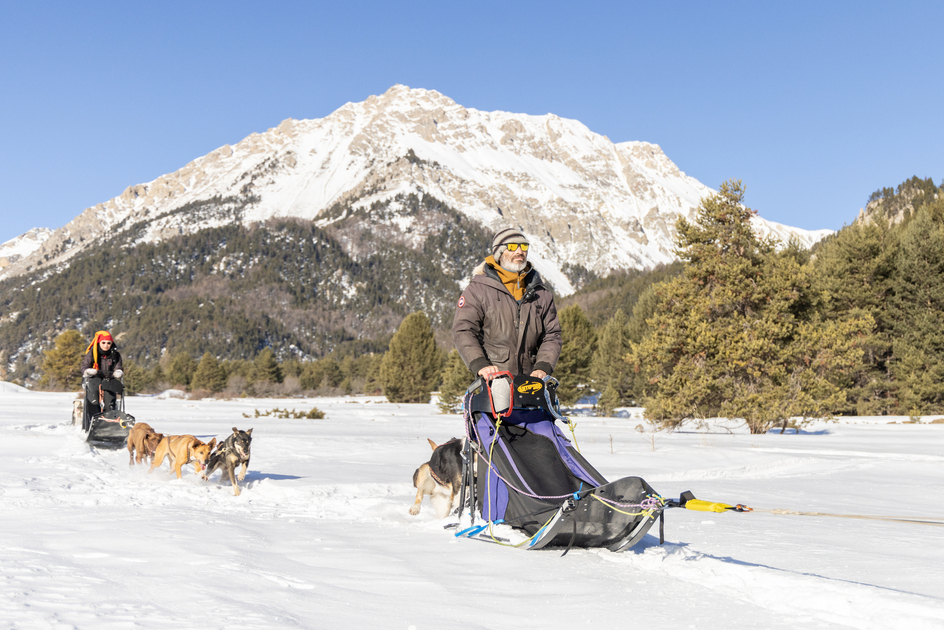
[461,301]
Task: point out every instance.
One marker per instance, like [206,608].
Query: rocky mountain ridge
[17,248]
[582,199]
[894,206]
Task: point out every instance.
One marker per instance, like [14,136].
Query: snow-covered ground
[321,536]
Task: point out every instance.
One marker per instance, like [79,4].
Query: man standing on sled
[506,319]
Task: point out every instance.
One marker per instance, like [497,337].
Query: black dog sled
[528,475]
[108,429]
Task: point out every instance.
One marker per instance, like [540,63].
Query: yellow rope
[573,425]
[919,520]
[642,513]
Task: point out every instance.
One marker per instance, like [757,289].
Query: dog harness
[435,477]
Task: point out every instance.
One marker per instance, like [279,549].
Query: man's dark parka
[492,328]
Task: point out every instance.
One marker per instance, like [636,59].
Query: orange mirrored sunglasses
[514,246]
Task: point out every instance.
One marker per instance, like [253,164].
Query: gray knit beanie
[508,235]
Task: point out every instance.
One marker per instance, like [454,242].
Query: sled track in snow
[852,604]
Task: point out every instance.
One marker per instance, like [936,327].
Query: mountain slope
[580,198]
[234,290]
[22,246]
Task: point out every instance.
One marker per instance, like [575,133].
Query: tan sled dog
[440,478]
[182,449]
[142,443]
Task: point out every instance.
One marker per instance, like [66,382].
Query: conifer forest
[740,326]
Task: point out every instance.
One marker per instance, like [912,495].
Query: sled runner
[107,430]
[530,477]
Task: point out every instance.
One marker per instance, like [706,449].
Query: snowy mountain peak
[17,248]
[582,199]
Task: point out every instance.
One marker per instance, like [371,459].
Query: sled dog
[78,409]
[182,449]
[230,453]
[142,443]
[440,478]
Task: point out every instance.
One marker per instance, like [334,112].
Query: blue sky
[814,105]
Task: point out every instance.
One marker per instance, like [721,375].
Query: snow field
[321,536]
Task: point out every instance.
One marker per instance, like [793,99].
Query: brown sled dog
[142,443]
[440,478]
[182,449]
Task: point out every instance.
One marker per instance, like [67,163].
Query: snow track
[803,595]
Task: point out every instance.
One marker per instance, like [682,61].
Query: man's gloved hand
[91,372]
[119,374]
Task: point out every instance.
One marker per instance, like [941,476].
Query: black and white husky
[230,453]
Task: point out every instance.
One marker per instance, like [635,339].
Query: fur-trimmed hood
[481,268]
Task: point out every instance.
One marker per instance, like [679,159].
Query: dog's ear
[249,432]
[212,443]
[235,430]
[432,444]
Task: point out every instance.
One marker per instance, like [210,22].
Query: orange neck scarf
[513,281]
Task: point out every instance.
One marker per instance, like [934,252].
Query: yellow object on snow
[707,506]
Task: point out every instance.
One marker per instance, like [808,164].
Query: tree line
[769,332]
[741,327]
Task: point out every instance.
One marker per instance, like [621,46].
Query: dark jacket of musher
[108,362]
[491,327]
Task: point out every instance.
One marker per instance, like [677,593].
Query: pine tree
[411,367]
[456,378]
[135,379]
[209,375]
[156,376]
[609,369]
[372,384]
[331,371]
[637,327]
[916,307]
[854,273]
[736,335]
[180,369]
[573,366]
[62,363]
[311,375]
[266,368]
[292,367]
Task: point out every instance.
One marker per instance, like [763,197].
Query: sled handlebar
[511,392]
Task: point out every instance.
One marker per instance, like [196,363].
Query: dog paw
[241,476]
[414,510]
